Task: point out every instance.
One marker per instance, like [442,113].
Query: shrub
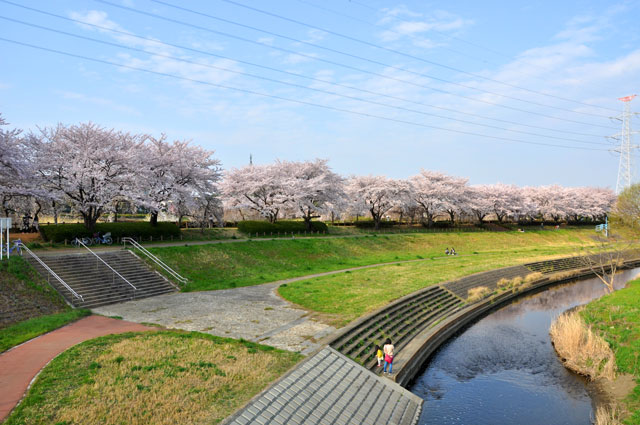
[254,226]
[532,277]
[370,224]
[504,283]
[60,232]
[477,293]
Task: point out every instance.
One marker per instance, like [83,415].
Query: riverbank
[616,318]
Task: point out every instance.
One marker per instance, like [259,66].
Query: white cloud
[293,59]
[403,23]
[99,101]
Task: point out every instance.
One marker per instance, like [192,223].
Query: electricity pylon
[625,168]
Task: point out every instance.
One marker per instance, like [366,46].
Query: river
[503,369]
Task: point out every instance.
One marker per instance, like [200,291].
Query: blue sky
[377,87]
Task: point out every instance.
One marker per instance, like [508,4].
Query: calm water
[503,369]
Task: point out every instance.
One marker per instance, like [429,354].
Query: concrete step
[97,283]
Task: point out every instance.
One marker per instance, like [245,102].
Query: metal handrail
[155,259]
[105,263]
[48,269]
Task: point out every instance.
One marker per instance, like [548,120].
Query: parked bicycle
[84,240]
[14,248]
[104,239]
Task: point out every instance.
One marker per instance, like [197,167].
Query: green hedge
[370,224]
[60,232]
[252,226]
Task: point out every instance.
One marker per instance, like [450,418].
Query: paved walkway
[255,313]
[20,365]
[328,388]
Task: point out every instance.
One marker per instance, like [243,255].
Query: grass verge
[222,266]
[28,329]
[164,377]
[340,298]
[617,318]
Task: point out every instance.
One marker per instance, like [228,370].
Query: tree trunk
[37,213]
[376,219]
[55,212]
[154,218]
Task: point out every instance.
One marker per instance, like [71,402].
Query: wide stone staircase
[98,284]
[400,322]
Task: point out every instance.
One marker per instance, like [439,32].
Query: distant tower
[625,169]
[250,159]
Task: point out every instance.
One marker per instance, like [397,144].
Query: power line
[364,21]
[297,101]
[471,43]
[398,52]
[441,46]
[156,41]
[231,22]
[372,102]
[340,64]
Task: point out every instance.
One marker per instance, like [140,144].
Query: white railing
[111,268]
[50,272]
[155,259]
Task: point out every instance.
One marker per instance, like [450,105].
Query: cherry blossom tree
[378,194]
[438,193]
[311,187]
[88,166]
[479,201]
[505,200]
[13,167]
[256,187]
[172,171]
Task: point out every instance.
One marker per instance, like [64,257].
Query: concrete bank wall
[411,360]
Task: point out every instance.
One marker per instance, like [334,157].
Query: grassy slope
[23,331]
[22,288]
[617,318]
[158,378]
[220,266]
[342,298]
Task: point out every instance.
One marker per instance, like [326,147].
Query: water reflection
[503,370]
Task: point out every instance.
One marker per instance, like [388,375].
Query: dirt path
[20,365]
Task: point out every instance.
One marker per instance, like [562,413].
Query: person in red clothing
[388,355]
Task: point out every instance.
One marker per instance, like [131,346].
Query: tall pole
[625,166]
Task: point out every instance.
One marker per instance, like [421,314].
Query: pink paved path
[19,366]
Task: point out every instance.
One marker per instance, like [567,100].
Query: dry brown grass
[518,282]
[532,277]
[565,274]
[167,380]
[607,416]
[504,283]
[477,293]
[584,351]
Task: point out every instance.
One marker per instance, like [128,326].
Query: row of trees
[310,189]
[96,171]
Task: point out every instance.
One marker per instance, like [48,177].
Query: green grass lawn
[221,266]
[617,318]
[166,377]
[28,329]
[344,297]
